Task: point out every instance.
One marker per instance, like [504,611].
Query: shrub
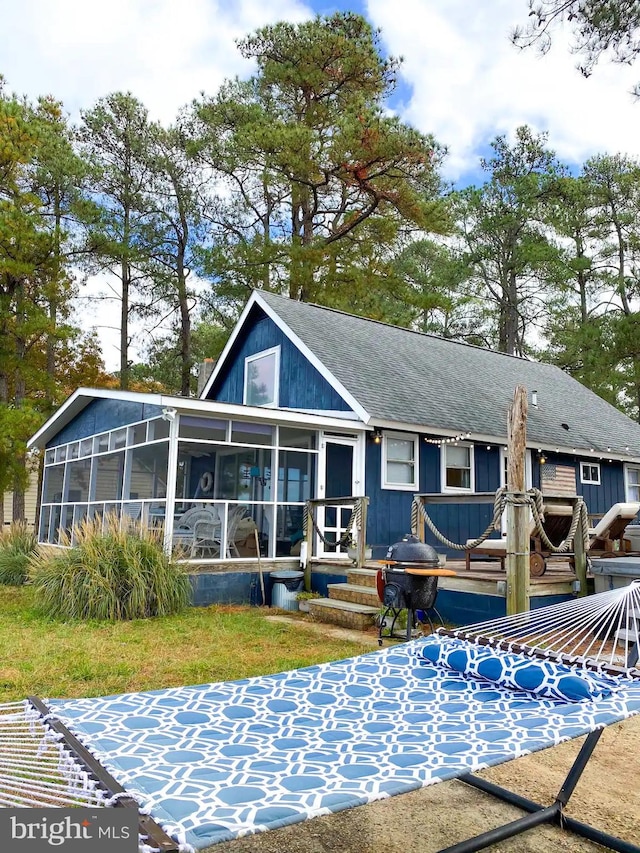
[109,573]
[17,545]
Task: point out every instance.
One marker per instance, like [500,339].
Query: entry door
[338,468]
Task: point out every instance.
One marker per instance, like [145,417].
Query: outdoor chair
[557,524]
[199,529]
[611,528]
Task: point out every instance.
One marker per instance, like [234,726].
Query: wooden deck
[485,577]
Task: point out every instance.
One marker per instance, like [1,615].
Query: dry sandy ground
[426,821]
[608,796]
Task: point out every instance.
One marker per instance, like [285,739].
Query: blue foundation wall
[227,587]
[466,608]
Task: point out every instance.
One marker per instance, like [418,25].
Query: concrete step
[362,577]
[353,592]
[358,617]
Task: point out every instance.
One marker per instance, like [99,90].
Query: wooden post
[580,560]
[517,562]
[362,533]
[420,532]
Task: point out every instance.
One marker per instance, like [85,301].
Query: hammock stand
[111,793]
[553,814]
[394,713]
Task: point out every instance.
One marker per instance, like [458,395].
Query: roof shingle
[405,376]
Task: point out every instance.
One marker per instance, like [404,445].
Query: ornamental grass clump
[17,545]
[110,572]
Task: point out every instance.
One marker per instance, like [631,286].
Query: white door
[341,475]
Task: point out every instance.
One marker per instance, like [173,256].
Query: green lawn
[68,659]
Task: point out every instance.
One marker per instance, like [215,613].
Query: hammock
[218,761]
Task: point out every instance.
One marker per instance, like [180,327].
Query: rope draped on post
[534,498]
[355,521]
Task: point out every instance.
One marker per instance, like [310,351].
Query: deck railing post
[517,560]
[362,532]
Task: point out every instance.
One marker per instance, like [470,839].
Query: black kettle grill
[402,587]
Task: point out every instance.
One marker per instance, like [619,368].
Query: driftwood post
[517,561]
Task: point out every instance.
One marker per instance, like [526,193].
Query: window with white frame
[457,468]
[261,378]
[632,482]
[400,461]
[590,473]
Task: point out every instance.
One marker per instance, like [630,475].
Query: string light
[450,440]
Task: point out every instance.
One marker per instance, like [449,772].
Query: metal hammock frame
[600,632]
[33,744]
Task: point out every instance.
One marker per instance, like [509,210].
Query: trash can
[614,572]
[285,587]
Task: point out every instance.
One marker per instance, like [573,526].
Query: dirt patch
[608,796]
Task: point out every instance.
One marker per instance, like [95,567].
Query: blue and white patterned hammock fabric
[218,761]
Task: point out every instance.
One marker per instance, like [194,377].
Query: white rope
[595,631]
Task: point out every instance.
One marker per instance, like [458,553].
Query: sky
[461,79]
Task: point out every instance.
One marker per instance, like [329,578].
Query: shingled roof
[408,377]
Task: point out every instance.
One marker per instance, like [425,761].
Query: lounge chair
[557,523]
[610,530]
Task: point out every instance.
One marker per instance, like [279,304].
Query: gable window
[632,482]
[457,468]
[400,461]
[590,473]
[261,378]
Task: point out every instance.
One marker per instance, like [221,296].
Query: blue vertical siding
[600,498]
[102,415]
[390,510]
[301,385]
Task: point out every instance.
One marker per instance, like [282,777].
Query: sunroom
[219,482]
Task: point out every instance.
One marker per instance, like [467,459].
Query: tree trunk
[18,398]
[125,274]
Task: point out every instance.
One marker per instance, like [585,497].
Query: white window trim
[630,467]
[403,487]
[443,470]
[276,385]
[586,481]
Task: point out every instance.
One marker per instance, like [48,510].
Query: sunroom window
[261,378]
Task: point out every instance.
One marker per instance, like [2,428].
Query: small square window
[261,378]
[400,461]
[590,473]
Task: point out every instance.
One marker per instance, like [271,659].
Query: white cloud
[470,84]
[467,83]
[164,51]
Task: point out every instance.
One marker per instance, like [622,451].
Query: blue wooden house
[308,403]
